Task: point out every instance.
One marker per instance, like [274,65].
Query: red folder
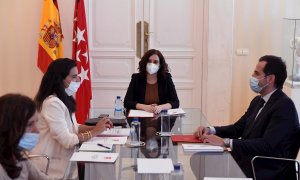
[185,138]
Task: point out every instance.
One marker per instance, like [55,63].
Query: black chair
[291,162]
[291,166]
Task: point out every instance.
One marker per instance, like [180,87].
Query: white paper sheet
[108,140]
[202,148]
[87,146]
[115,132]
[154,166]
[225,178]
[176,111]
[139,113]
[94,157]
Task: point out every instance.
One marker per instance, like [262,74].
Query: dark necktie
[260,104]
[252,117]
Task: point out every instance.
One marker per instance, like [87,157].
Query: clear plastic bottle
[165,123]
[118,112]
[177,174]
[135,132]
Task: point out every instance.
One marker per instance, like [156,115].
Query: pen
[103,146]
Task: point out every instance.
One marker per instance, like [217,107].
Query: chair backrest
[44,157]
[290,163]
[274,159]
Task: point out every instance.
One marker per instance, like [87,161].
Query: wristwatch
[227,142]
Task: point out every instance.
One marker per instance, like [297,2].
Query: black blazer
[273,134]
[137,89]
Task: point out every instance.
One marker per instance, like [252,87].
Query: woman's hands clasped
[153,108]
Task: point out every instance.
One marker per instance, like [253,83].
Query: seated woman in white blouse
[59,131]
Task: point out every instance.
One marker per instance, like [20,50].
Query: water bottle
[135,132]
[177,174]
[118,113]
[165,123]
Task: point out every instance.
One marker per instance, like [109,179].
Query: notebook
[202,148]
[185,138]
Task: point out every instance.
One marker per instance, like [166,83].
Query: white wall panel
[172,24]
[182,68]
[111,68]
[112,24]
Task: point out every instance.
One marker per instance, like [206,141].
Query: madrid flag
[81,55]
[50,37]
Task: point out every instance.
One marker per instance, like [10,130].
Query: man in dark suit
[268,128]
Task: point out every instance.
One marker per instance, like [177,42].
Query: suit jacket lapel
[261,116]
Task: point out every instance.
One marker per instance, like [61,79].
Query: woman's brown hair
[15,112]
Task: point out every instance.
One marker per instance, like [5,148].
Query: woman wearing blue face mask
[18,133]
[59,132]
[152,89]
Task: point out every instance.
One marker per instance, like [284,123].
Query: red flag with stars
[81,55]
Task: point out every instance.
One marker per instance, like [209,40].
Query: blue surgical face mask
[29,141]
[255,86]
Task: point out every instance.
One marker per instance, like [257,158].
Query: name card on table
[108,140]
[139,113]
[177,111]
[94,157]
[115,132]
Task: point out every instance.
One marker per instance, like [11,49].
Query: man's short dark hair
[275,65]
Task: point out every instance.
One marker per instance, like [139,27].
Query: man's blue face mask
[29,141]
[254,84]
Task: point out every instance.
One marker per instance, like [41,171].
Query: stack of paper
[113,132]
[139,113]
[154,166]
[94,157]
[202,148]
[87,146]
[177,111]
[108,140]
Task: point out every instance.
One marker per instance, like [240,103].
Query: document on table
[139,113]
[202,148]
[176,111]
[154,166]
[115,132]
[187,138]
[88,146]
[225,178]
[108,140]
[94,157]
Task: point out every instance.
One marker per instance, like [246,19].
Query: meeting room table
[196,165]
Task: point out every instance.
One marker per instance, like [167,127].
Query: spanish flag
[50,37]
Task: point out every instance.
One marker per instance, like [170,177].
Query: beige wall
[19,22]
[258,27]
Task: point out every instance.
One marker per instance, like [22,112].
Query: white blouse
[58,138]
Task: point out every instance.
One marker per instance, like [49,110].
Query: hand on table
[201,131]
[103,124]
